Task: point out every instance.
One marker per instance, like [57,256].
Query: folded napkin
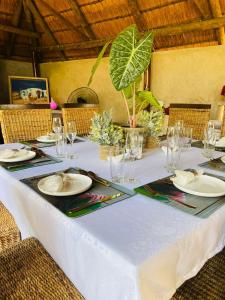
[53,183]
[223,159]
[12,153]
[221,142]
[182,178]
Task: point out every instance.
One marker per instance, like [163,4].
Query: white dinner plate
[47,139]
[205,186]
[74,184]
[20,155]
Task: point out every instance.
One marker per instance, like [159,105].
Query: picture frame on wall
[28,90]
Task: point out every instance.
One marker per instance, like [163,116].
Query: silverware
[31,162]
[93,176]
[106,198]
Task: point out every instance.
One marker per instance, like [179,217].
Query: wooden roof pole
[200,9]
[19,31]
[216,11]
[164,31]
[15,22]
[84,24]
[60,17]
[136,14]
[44,25]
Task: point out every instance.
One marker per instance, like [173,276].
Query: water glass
[173,151]
[61,144]
[209,142]
[134,146]
[186,137]
[117,165]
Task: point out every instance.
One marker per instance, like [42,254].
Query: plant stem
[126,104]
[134,107]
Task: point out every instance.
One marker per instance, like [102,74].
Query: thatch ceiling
[74,29]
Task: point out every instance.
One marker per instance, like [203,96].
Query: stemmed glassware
[57,128]
[71,134]
[57,125]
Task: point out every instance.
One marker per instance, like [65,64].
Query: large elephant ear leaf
[97,62]
[129,56]
[148,98]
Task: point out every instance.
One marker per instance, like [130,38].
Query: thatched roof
[74,29]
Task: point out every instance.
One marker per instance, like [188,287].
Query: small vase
[152,142]
[104,151]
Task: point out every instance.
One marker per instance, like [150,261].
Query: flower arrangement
[104,132]
[152,120]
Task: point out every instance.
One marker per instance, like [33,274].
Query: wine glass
[57,125]
[71,134]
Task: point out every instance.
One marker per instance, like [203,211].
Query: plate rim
[183,189]
[19,159]
[61,194]
[45,141]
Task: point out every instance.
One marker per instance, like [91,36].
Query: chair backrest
[223,125]
[25,124]
[195,116]
[82,116]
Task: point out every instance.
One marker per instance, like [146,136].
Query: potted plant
[129,57]
[153,121]
[105,133]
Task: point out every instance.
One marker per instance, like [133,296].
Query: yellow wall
[194,75]
[64,77]
[11,68]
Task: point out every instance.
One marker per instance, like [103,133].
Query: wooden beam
[64,20]
[164,31]
[43,24]
[216,11]
[19,31]
[136,14]
[200,9]
[84,24]
[15,22]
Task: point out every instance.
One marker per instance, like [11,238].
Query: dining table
[135,249]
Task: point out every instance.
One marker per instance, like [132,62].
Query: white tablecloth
[135,249]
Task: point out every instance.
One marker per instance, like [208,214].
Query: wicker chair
[9,232]
[25,124]
[208,284]
[82,116]
[28,272]
[195,116]
[223,126]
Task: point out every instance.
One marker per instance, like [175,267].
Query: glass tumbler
[117,165]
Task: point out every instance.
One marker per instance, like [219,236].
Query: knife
[31,162]
[71,212]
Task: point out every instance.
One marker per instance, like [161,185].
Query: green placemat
[40,159]
[214,164]
[84,203]
[199,144]
[164,191]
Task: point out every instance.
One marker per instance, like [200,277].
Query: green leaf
[129,56]
[97,62]
[148,98]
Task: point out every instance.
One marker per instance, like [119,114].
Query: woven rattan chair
[25,124]
[223,126]
[82,116]
[9,232]
[195,116]
[28,272]
[208,284]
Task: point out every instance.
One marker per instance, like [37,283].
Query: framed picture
[28,90]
